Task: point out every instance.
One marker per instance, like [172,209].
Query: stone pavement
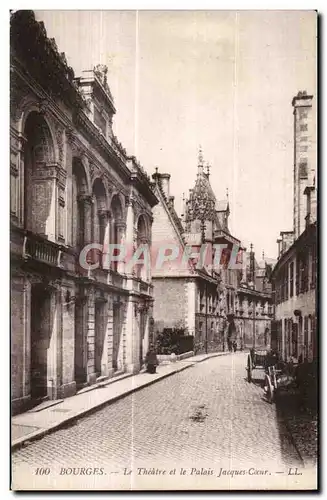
[203,428]
[36,423]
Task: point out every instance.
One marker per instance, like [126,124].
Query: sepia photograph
[164,250]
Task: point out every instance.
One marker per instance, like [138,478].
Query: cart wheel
[249,368]
[270,394]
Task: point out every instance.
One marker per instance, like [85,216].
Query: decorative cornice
[28,38]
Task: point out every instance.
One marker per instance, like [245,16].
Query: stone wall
[169,303]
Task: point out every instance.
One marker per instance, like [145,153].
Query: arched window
[99,218]
[117,221]
[38,189]
[142,239]
[79,194]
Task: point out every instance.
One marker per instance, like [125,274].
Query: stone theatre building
[71,184]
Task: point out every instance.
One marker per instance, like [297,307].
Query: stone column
[144,272]
[54,352]
[132,341]
[86,203]
[105,216]
[91,375]
[17,196]
[20,341]
[80,340]
[121,239]
[129,235]
[85,208]
[109,336]
[68,361]
[69,188]
[104,329]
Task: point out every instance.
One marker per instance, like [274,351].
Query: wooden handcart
[274,376]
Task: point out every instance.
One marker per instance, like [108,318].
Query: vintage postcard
[161,339]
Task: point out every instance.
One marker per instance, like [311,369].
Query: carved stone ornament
[92,170]
[129,201]
[43,106]
[60,142]
[70,135]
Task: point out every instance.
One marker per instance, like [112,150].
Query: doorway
[142,332]
[99,335]
[40,340]
[80,344]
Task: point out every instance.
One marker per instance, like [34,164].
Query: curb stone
[25,440]
[69,421]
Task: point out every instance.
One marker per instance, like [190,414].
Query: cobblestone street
[207,416]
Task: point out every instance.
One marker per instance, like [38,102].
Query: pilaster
[132,344]
[91,375]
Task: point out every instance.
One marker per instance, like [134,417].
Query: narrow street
[207,416]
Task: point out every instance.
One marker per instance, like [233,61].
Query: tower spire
[200,161]
[208,170]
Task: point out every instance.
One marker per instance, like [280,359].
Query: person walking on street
[151,360]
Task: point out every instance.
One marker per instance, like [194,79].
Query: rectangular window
[306,337]
[304,138]
[286,282]
[313,266]
[303,270]
[291,279]
[313,337]
[304,127]
[297,276]
[303,149]
[294,339]
[13,194]
[303,169]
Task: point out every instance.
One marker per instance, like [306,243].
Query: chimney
[164,181]
[304,155]
[311,195]
[287,238]
[279,243]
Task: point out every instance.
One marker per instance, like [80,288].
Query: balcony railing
[35,247]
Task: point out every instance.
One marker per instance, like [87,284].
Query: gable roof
[172,214]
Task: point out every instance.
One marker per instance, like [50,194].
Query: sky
[220,79]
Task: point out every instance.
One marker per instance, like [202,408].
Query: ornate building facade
[294,278]
[214,302]
[72,184]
